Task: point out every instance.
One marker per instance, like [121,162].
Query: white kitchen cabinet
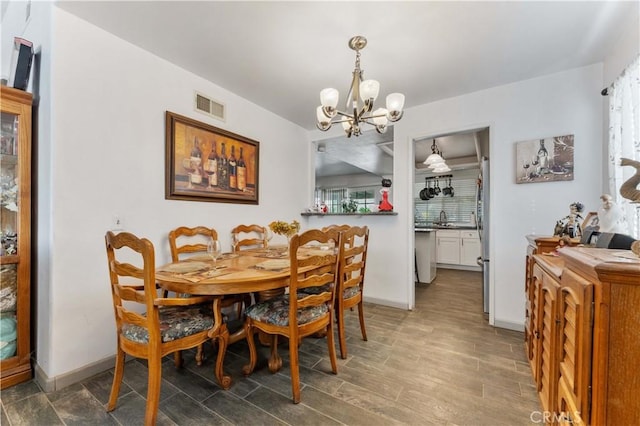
[469,248]
[458,247]
[448,246]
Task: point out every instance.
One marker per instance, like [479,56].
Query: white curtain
[624,138]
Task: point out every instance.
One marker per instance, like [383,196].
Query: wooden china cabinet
[15,232]
[581,334]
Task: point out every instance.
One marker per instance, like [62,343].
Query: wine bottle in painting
[223,169]
[196,162]
[212,166]
[233,170]
[242,172]
[543,157]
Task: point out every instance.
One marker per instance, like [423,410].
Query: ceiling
[279,55]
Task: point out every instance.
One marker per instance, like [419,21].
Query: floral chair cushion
[276,311]
[176,322]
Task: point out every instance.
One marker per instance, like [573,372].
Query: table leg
[221,333]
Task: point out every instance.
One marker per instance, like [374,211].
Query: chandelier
[357,112]
[435,161]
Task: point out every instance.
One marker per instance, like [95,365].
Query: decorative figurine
[385,205]
[610,216]
[571,224]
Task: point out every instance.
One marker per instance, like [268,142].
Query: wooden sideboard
[582,334]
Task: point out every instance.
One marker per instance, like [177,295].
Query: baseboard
[516,326]
[384,302]
[50,384]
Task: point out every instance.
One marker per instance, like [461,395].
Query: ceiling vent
[208,106]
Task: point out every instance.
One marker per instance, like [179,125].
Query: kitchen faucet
[443,217]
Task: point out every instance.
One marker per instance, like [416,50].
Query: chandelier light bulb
[395,103]
[329,97]
[323,122]
[369,89]
[380,117]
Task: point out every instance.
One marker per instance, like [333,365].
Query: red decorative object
[385,205]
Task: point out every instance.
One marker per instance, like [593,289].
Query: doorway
[465,213]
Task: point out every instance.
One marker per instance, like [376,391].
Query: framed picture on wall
[205,163]
[544,160]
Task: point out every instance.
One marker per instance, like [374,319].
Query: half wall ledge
[350,214]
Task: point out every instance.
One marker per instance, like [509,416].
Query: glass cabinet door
[9,226]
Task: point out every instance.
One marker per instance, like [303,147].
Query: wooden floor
[439,364]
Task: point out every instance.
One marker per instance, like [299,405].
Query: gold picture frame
[205,163]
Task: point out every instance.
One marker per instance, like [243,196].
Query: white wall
[558,104]
[108,144]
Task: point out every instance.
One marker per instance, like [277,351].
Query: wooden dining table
[262,271]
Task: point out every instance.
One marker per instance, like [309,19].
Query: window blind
[457,208]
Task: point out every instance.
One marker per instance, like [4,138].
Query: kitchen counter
[433,227]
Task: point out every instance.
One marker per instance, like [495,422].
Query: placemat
[184,267]
[273,264]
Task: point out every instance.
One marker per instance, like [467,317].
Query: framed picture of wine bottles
[544,160]
[205,163]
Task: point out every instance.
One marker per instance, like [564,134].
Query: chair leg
[177,359]
[332,348]
[294,364]
[341,333]
[253,354]
[361,315]
[117,379]
[275,361]
[153,389]
[199,355]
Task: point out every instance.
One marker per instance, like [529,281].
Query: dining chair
[245,237]
[353,261]
[340,228]
[167,325]
[188,241]
[297,315]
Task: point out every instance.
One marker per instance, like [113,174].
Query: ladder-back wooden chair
[167,325]
[297,314]
[244,237]
[340,228]
[351,280]
[185,241]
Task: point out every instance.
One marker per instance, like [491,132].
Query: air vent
[206,105]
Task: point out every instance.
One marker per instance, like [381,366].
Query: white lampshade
[395,102]
[346,125]
[369,89]
[442,168]
[321,116]
[434,159]
[329,97]
[382,120]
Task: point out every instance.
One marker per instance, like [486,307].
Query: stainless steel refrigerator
[482,221]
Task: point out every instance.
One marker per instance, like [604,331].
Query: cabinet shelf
[15,160]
